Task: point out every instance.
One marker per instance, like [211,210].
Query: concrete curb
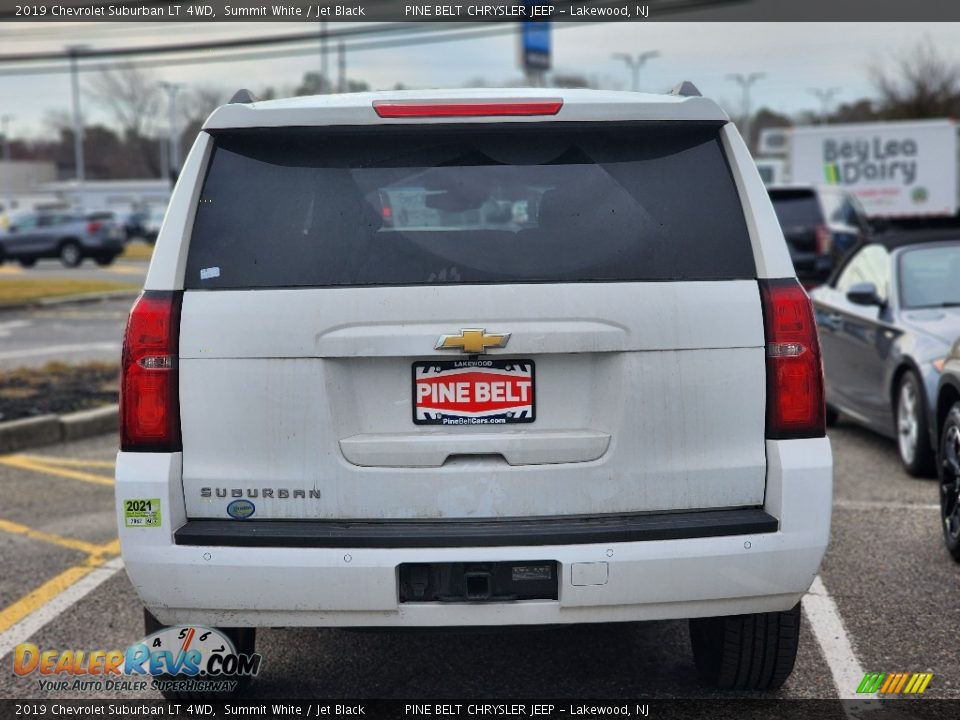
[49,429]
[67,299]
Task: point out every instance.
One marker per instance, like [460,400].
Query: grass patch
[137,250]
[19,290]
[57,388]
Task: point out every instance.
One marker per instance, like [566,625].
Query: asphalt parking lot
[132,271]
[892,586]
[83,331]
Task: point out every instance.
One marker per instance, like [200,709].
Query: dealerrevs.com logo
[175,659]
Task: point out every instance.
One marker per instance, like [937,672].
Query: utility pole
[174,156]
[635,62]
[824,95]
[5,124]
[745,82]
[324,63]
[73,51]
[342,67]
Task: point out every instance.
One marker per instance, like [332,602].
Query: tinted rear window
[531,203]
[796,208]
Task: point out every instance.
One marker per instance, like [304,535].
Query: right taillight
[795,398]
[149,387]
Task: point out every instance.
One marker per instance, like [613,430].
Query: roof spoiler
[242,96]
[685,89]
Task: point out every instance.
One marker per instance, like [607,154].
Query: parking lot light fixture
[635,62]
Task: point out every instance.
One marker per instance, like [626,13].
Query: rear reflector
[795,398]
[149,402]
[414,109]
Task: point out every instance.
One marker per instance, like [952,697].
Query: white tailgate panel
[648,397]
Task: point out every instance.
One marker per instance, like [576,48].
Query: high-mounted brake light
[149,387]
[416,109]
[795,397]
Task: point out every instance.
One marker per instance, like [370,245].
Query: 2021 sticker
[142,513]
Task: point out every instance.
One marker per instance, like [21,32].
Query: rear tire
[244,642]
[910,417]
[70,254]
[746,652]
[950,482]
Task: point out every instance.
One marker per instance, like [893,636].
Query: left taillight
[94,227]
[149,387]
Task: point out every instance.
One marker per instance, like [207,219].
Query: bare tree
[199,101]
[131,94]
[923,83]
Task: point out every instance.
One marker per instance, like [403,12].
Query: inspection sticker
[142,513]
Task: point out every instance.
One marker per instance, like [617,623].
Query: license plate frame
[514,371]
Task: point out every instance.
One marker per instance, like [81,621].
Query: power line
[432,36]
[207,45]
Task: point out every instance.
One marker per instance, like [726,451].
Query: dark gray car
[62,234]
[887,318]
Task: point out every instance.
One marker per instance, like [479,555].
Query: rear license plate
[482,391]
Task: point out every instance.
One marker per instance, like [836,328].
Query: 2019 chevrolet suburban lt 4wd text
[473,358]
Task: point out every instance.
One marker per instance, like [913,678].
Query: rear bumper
[757,570]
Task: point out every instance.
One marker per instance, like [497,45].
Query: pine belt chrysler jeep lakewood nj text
[468,358]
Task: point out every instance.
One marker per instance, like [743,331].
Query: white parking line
[58,605]
[881,505]
[59,349]
[831,634]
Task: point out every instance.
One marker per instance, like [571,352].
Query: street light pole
[745,81]
[73,51]
[174,159]
[635,62]
[824,95]
[324,63]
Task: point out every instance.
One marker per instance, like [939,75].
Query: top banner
[490,11]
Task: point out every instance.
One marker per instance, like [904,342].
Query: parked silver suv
[476,358]
[67,235]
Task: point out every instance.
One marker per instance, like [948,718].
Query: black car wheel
[70,254]
[950,482]
[913,439]
[746,652]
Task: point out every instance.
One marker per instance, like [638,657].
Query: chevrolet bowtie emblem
[472,341]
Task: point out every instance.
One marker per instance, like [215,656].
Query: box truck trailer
[898,170]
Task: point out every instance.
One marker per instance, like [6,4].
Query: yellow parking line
[18,461]
[10,269]
[35,599]
[80,545]
[127,269]
[73,462]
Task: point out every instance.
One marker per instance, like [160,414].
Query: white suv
[468,358]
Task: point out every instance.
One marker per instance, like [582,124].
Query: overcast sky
[794,56]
